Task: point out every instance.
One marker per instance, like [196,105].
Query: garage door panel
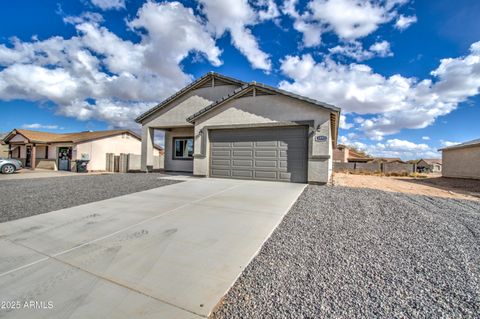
[241,173]
[266,154]
[242,163]
[223,144]
[269,164]
[265,175]
[242,144]
[242,153]
[221,162]
[221,172]
[221,153]
[271,153]
[266,144]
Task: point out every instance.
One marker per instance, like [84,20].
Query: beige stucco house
[61,151]
[3,146]
[219,126]
[429,165]
[343,154]
[462,160]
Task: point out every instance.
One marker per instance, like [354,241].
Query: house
[429,165]
[3,146]
[343,154]
[219,126]
[462,160]
[60,151]
[388,160]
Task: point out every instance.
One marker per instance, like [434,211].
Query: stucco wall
[176,165]
[3,150]
[176,113]
[268,110]
[461,163]
[97,149]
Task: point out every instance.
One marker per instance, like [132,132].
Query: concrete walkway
[169,252]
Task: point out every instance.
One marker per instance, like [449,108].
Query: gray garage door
[278,154]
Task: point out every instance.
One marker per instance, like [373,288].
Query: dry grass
[415,183]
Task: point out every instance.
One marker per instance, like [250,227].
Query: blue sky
[405,73]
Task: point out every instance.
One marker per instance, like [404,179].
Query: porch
[178,145]
[42,156]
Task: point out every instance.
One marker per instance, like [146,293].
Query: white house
[60,151]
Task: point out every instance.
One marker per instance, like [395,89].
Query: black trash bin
[82,166]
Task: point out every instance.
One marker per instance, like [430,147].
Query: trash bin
[82,166]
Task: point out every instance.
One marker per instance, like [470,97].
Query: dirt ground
[433,185]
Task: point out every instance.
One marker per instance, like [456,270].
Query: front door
[64,156]
[28,157]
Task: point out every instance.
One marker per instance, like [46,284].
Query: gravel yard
[26,197]
[362,253]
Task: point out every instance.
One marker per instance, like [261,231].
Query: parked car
[9,165]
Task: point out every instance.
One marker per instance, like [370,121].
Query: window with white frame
[183,148]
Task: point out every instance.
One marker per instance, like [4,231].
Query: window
[183,148]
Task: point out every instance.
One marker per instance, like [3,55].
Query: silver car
[9,165]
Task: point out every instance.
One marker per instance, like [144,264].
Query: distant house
[462,160]
[343,154]
[388,160]
[3,146]
[61,151]
[429,165]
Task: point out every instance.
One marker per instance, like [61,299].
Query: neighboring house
[342,154]
[223,127]
[388,160]
[60,151]
[3,146]
[462,160]
[429,165]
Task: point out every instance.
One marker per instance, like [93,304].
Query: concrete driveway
[169,252]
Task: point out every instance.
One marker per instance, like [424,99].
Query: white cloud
[348,19]
[403,22]
[404,149]
[97,74]
[396,102]
[37,126]
[109,4]
[426,138]
[354,50]
[268,9]
[444,143]
[381,48]
[343,123]
[235,16]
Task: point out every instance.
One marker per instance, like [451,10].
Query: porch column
[33,159]
[147,148]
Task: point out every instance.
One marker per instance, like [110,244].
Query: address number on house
[320,138]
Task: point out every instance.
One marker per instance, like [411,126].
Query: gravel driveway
[361,253]
[26,197]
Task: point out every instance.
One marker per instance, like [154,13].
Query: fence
[377,167]
[124,163]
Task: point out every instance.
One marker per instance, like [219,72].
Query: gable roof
[78,137]
[263,87]
[388,159]
[354,155]
[210,76]
[431,161]
[475,142]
